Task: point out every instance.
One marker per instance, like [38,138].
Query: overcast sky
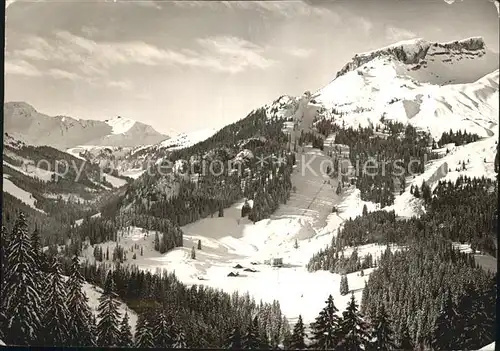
[184,66]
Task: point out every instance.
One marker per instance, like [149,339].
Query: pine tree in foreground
[80,318]
[443,336]
[20,294]
[383,331]
[251,339]
[180,339]
[298,336]
[161,331]
[235,342]
[107,312]
[325,329]
[285,333]
[125,338]
[405,341]
[353,330]
[55,319]
[144,333]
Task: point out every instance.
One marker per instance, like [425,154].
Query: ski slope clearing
[478,157]
[14,190]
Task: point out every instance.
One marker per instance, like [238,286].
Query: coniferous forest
[427,288]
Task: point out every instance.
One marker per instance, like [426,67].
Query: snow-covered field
[19,193]
[490,347]
[115,182]
[30,170]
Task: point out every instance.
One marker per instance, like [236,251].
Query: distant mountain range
[23,122]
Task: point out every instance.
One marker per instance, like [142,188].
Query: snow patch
[120,125]
[19,193]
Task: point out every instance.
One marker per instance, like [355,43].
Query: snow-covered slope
[490,347]
[23,122]
[432,86]
[184,140]
[94,292]
[132,161]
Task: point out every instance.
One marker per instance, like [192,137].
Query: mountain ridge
[24,122]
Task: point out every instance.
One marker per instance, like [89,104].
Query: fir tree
[180,339]
[353,330]
[245,209]
[325,329]
[443,336]
[235,342]
[193,253]
[251,339]
[383,331]
[339,189]
[497,162]
[298,336]
[365,210]
[125,336]
[160,330]
[285,333]
[344,285]
[157,241]
[416,192]
[426,191]
[20,295]
[55,319]
[199,244]
[405,342]
[107,312]
[37,250]
[80,317]
[144,334]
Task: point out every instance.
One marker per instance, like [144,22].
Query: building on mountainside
[277,262]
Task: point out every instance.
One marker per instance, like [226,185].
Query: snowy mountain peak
[422,53]
[433,86]
[282,107]
[24,122]
[120,125]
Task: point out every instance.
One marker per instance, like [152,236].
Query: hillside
[432,86]
[22,121]
[52,186]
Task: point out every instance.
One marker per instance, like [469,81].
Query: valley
[269,243]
